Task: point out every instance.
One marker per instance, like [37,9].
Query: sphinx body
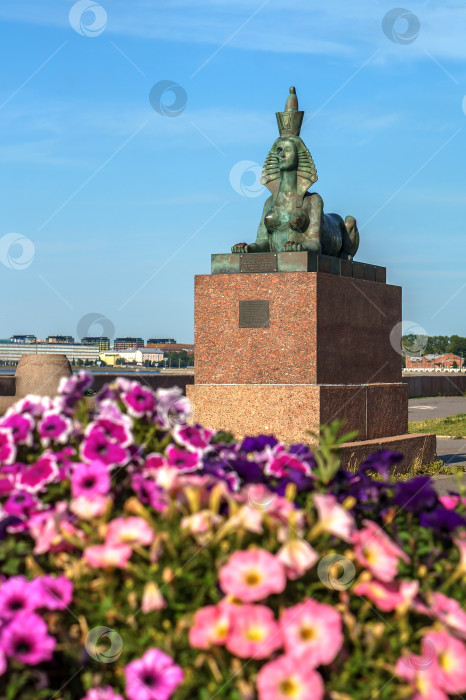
[293,218]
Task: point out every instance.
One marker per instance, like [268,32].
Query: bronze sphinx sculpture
[293,218]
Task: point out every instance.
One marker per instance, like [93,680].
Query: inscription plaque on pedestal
[258,262]
[254,313]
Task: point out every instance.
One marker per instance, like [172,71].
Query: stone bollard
[40,374]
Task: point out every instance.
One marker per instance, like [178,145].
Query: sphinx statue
[293,218]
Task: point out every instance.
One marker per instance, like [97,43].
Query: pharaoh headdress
[289,126]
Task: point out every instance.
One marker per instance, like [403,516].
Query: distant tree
[454,364]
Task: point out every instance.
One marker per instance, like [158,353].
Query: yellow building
[109,358]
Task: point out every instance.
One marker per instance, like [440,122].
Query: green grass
[454,426]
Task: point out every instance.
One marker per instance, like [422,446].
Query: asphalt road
[436,407]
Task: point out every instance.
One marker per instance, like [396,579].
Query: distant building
[154,342]
[127,343]
[103,343]
[172,347]
[60,339]
[23,339]
[10,353]
[140,355]
[109,357]
[435,362]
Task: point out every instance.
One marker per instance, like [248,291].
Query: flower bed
[146,559]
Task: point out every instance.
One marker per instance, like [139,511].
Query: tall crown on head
[291,120]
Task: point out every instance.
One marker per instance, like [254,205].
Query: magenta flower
[283,679]
[117,432]
[105,693]
[21,504]
[139,400]
[172,408]
[26,639]
[17,595]
[313,631]
[76,384]
[64,463]
[280,465]
[149,492]
[193,437]
[54,427]
[35,476]
[254,633]
[7,446]
[181,459]
[153,677]
[98,448]
[20,426]
[53,593]
[252,575]
[32,405]
[90,480]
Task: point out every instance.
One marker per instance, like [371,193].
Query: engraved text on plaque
[254,313]
[258,262]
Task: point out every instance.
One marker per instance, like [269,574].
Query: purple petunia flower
[54,428]
[90,479]
[139,400]
[149,492]
[172,408]
[97,447]
[442,520]
[20,426]
[53,593]
[153,677]
[76,384]
[257,444]
[183,460]
[7,447]
[415,495]
[26,639]
[381,462]
[34,477]
[17,595]
[64,464]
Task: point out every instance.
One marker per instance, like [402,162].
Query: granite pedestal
[282,352]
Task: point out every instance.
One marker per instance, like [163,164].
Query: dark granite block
[381,274]
[346,268]
[369,273]
[358,270]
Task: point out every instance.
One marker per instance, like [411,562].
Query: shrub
[147,559]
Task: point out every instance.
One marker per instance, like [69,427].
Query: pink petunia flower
[416,670]
[89,508]
[104,693]
[280,464]
[35,476]
[312,630]
[139,400]
[155,676]
[153,463]
[20,426]
[333,517]
[449,668]
[107,556]
[54,593]
[149,492]
[211,627]
[45,526]
[297,556]
[376,551]
[115,431]
[254,633]
[7,447]
[450,612]
[21,504]
[98,448]
[285,679]
[35,406]
[252,575]
[54,427]
[17,595]
[129,531]
[388,596]
[90,480]
[26,639]
[181,459]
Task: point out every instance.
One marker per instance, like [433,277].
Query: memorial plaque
[258,262]
[254,313]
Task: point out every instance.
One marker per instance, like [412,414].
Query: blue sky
[116,206]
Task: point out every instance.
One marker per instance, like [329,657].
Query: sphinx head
[287,154]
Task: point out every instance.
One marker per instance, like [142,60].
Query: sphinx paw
[240,248]
[292,247]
